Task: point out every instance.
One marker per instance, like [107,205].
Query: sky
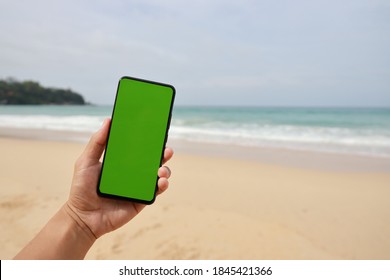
[230,53]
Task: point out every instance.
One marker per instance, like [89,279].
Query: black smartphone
[136,141]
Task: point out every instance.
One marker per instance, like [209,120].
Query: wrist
[78,224]
[63,237]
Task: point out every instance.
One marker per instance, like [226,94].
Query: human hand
[98,215]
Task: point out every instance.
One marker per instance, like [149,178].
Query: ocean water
[362,131]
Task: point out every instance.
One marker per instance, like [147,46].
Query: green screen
[139,126]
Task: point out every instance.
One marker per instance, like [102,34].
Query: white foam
[312,138]
[374,142]
[70,123]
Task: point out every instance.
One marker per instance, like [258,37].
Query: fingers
[96,145]
[163,184]
[164,173]
[168,153]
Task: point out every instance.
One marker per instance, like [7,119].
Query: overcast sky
[261,53]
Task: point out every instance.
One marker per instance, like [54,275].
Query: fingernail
[169,171]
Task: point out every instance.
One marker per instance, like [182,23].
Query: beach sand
[224,202]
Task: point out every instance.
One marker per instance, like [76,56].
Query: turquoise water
[339,130]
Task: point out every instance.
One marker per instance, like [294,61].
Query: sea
[356,131]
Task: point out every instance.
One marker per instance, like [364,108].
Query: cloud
[209,49]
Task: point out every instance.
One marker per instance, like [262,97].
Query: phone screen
[136,141]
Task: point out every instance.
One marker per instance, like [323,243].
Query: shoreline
[45,134]
[306,159]
[302,159]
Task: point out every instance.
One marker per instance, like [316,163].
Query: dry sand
[221,204]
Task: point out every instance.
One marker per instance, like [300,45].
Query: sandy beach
[224,202]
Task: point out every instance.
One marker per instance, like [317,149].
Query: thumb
[96,145]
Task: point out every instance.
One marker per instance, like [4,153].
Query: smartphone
[136,141]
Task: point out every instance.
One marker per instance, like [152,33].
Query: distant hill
[13,92]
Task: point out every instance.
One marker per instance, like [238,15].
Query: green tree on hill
[13,92]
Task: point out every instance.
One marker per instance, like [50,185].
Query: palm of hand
[101,215]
